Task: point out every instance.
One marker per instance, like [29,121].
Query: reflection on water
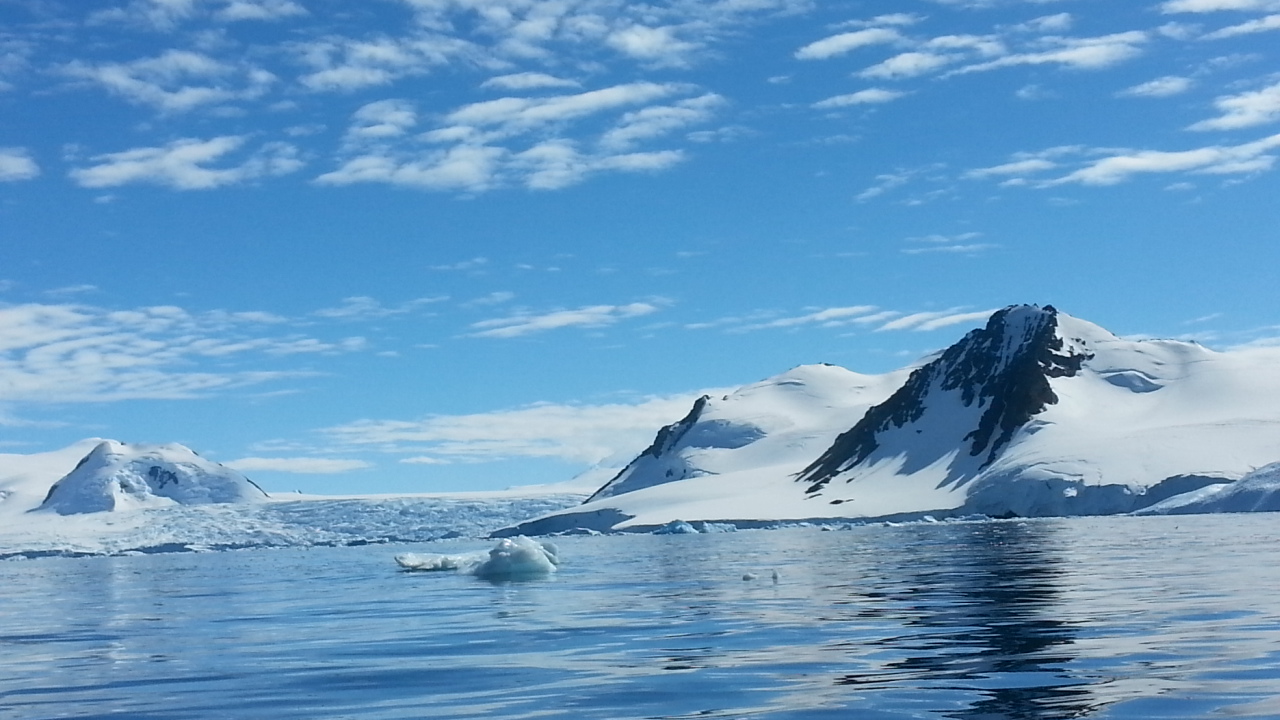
[1106,618]
[982,612]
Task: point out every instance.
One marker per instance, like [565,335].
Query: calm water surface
[1104,617]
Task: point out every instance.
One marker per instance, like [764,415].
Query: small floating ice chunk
[516,558]
[676,527]
[680,527]
[511,559]
[429,563]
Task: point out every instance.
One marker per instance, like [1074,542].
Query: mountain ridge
[1036,413]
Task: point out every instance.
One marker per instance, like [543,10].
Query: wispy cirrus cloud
[185,164]
[869,317]
[846,42]
[298,465]
[1113,169]
[1112,166]
[1166,86]
[591,316]
[1090,53]
[581,433]
[961,244]
[935,320]
[366,308]
[821,317]
[52,353]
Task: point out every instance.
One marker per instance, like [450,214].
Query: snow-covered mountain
[778,424]
[1036,414]
[117,476]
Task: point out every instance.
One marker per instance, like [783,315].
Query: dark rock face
[1004,367]
[666,439]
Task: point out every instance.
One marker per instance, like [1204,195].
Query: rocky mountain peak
[1003,369]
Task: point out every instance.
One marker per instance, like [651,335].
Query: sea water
[1089,617]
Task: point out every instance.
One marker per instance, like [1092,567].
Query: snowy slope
[25,479]
[1259,491]
[119,476]
[1037,413]
[778,424]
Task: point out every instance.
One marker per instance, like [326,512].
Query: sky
[436,245]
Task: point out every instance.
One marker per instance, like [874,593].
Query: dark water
[1107,618]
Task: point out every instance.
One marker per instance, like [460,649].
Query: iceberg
[514,558]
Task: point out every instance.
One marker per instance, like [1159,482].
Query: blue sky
[422,245]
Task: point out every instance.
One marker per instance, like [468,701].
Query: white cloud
[1059,22]
[1222,160]
[826,317]
[482,140]
[985,45]
[926,321]
[592,316]
[843,43]
[382,120]
[1265,24]
[1204,6]
[367,308]
[949,244]
[574,433]
[475,263]
[493,298]
[17,164]
[963,249]
[659,45]
[870,96]
[425,460]
[236,10]
[657,120]
[471,168]
[183,164]
[1166,86]
[888,181]
[176,81]
[1011,169]
[1077,53]
[513,114]
[1244,110]
[905,65]
[161,14]
[168,14]
[345,64]
[527,81]
[79,353]
[298,465]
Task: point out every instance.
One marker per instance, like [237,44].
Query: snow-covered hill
[1036,414]
[119,476]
